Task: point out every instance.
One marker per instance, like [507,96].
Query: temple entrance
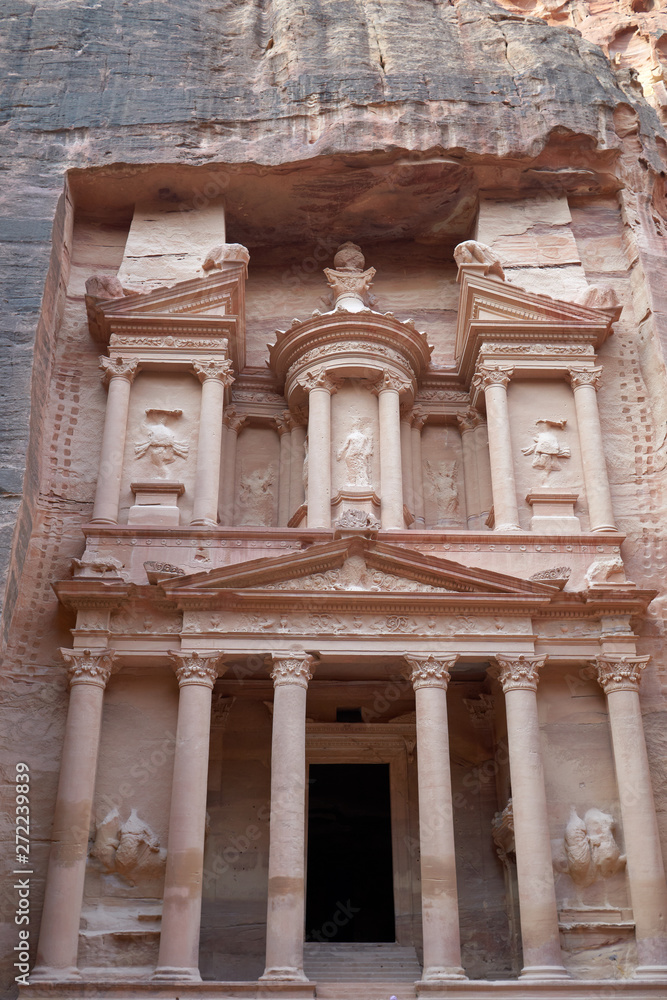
[350,895]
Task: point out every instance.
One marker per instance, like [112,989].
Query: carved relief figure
[589,850]
[440,486]
[128,849]
[161,444]
[357,453]
[546,448]
[256,496]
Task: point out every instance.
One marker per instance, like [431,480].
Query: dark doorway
[350,894]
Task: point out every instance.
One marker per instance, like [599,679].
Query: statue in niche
[256,496]
[357,453]
[441,487]
[546,448]
[588,851]
[161,444]
[128,849]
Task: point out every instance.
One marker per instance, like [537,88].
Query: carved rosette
[292,670]
[89,666]
[389,382]
[220,371]
[430,671]
[196,668]
[519,673]
[620,673]
[118,368]
[585,376]
[319,379]
[489,375]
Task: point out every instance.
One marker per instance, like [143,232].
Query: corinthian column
[286,911]
[320,387]
[537,896]
[620,677]
[233,424]
[585,383]
[440,904]
[89,671]
[214,376]
[388,390]
[181,910]
[118,374]
[494,381]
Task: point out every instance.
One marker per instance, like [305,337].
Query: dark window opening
[348,715]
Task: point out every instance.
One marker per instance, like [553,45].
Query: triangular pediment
[493,309]
[355,566]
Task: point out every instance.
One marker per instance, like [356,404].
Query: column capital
[232,419]
[620,673]
[89,666]
[319,379]
[389,382]
[584,376]
[292,669]
[469,420]
[118,368]
[194,667]
[488,375]
[430,671]
[519,673]
[418,418]
[218,369]
[284,422]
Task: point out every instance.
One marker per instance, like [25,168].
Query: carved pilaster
[89,666]
[219,370]
[196,668]
[292,670]
[519,672]
[125,368]
[620,673]
[430,671]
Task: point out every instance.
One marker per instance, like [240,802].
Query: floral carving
[585,376]
[118,368]
[196,668]
[430,671]
[89,666]
[161,443]
[292,670]
[622,673]
[519,673]
[220,370]
[489,375]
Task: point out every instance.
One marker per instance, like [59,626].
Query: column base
[443,974]
[604,527]
[46,974]
[544,972]
[170,974]
[654,972]
[284,975]
[204,522]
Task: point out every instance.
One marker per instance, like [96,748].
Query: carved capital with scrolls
[196,668]
[89,666]
[232,420]
[118,368]
[292,670]
[284,422]
[489,375]
[519,673]
[620,673]
[468,421]
[430,671]
[418,418]
[319,379]
[387,382]
[218,370]
[585,376]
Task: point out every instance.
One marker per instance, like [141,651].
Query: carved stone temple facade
[334,649]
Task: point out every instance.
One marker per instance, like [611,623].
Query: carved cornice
[292,670]
[430,671]
[218,370]
[489,375]
[196,668]
[89,666]
[519,673]
[389,381]
[585,376]
[118,368]
[620,673]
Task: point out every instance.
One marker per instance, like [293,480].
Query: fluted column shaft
[494,382]
[440,908]
[585,383]
[537,895]
[286,903]
[119,374]
[418,421]
[620,678]
[89,671]
[181,910]
[214,376]
[388,391]
[233,424]
[320,387]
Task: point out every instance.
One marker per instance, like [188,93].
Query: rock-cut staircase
[389,969]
